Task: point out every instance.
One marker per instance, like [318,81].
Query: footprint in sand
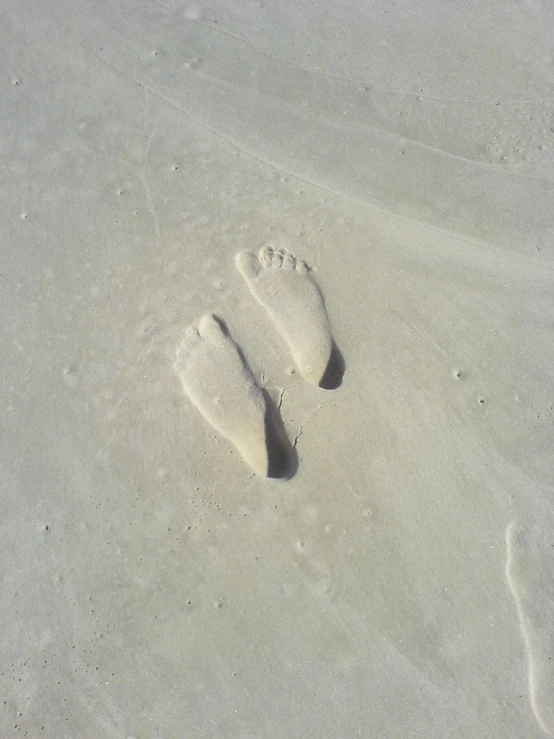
[530,574]
[219,383]
[283,285]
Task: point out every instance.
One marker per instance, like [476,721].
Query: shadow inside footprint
[282,456]
[334,372]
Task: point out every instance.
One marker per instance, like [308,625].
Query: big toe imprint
[221,386]
[284,286]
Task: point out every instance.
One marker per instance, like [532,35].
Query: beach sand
[197,539]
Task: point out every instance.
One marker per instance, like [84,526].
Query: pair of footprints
[218,381]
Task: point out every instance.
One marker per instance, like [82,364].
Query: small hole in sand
[482,401]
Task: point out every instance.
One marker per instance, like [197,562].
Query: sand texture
[276,375]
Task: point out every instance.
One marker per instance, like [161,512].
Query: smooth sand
[397,580]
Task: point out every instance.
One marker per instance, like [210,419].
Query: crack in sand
[282,394]
[301,429]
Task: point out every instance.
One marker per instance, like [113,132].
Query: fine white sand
[305,491]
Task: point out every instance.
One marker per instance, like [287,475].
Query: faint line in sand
[531,580]
[143,174]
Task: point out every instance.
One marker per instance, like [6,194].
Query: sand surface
[399,582]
